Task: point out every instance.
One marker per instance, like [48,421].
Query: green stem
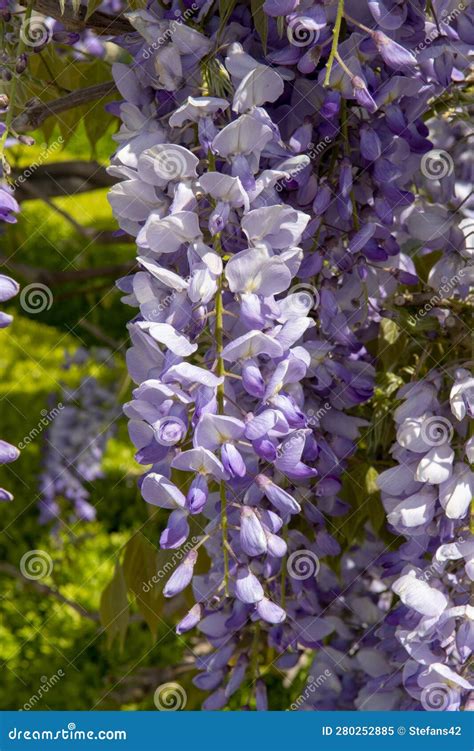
[359,24]
[335,41]
[220,368]
[12,93]
[254,671]
[219,335]
[347,152]
[283,578]
[344,67]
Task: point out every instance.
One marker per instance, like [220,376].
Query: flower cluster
[427,496]
[269,190]
[75,442]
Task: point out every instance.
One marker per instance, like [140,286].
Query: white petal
[419,596]
[436,466]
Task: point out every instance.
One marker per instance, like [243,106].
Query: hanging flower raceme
[427,496]
[79,428]
[268,215]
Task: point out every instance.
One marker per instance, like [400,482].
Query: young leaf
[361,492]
[260,20]
[140,568]
[92,5]
[114,608]
[225,9]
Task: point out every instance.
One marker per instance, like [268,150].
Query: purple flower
[181,577]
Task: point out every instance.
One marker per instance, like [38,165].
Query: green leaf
[389,330]
[260,20]
[97,122]
[391,342]
[68,122]
[140,566]
[361,492]
[47,129]
[92,5]
[114,608]
[225,9]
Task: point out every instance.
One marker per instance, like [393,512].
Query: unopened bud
[21,63]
